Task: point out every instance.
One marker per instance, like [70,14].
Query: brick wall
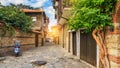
[113,40]
[113,44]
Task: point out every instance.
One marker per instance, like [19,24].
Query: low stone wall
[25,39]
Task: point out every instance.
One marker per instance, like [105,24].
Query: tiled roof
[30,10]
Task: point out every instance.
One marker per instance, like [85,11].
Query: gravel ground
[54,55]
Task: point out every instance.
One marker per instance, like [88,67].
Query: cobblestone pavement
[55,56]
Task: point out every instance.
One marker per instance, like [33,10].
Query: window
[34,19]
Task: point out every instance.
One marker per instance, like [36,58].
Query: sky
[46,4]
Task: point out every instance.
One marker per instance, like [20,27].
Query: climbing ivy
[91,14]
[14,19]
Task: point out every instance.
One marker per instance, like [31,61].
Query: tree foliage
[22,6]
[14,19]
[94,15]
[91,14]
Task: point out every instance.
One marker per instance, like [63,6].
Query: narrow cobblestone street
[55,56]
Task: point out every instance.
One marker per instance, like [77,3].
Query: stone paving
[55,56]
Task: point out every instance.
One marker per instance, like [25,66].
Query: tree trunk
[99,37]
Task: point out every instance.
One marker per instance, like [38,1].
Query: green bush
[91,14]
[14,19]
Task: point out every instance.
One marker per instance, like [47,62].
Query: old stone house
[40,28]
[83,45]
[40,24]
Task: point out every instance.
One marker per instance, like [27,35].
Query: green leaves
[91,14]
[14,19]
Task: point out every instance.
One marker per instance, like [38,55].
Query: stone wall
[70,43]
[25,39]
[113,40]
[60,37]
[113,45]
[65,37]
[39,19]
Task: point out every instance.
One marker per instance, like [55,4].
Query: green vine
[94,16]
[91,14]
[7,30]
[14,19]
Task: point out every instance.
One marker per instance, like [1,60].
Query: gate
[88,48]
[74,43]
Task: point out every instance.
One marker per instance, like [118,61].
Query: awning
[66,14]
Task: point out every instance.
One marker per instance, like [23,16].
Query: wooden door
[74,43]
[88,48]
